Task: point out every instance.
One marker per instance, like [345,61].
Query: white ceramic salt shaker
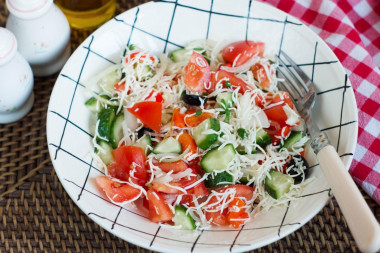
[42,32]
[16,80]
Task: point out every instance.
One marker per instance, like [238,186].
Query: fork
[360,219]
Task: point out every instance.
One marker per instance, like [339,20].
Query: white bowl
[161,27]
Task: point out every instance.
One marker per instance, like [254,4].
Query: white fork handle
[362,223]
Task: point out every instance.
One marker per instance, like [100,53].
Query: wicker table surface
[37,215]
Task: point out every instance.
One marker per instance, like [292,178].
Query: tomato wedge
[236,219]
[283,96]
[261,75]
[128,158]
[159,210]
[240,52]
[282,133]
[277,114]
[187,142]
[197,73]
[149,113]
[116,191]
[228,76]
[176,167]
[161,187]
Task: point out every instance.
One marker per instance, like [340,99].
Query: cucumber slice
[169,145]
[262,138]
[117,130]
[219,179]
[293,138]
[105,118]
[147,72]
[241,150]
[225,99]
[108,81]
[184,55]
[94,105]
[204,141]
[106,153]
[145,143]
[278,184]
[218,159]
[184,220]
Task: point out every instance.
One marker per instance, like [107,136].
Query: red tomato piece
[187,142]
[240,52]
[218,218]
[197,73]
[199,190]
[141,57]
[236,203]
[159,210]
[161,187]
[154,96]
[178,118]
[236,219]
[149,113]
[128,158]
[277,114]
[260,74]
[234,80]
[282,133]
[176,167]
[119,86]
[283,96]
[187,199]
[242,191]
[194,120]
[116,191]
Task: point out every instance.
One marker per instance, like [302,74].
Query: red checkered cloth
[352,30]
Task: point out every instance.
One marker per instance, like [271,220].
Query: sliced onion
[244,67]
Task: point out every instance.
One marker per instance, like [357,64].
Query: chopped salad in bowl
[200,137]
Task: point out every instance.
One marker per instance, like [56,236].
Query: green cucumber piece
[225,99]
[262,138]
[105,118]
[94,105]
[169,145]
[147,72]
[106,153]
[182,219]
[218,159]
[204,141]
[144,142]
[219,179]
[293,138]
[278,183]
[117,130]
[184,55]
[108,81]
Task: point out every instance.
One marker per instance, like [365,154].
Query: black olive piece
[294,170]
[193,99]
[142,131]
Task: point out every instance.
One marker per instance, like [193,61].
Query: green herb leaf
[241,133]
[198,113]
[228,114]
[228,84]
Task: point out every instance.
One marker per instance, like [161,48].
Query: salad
[199,137]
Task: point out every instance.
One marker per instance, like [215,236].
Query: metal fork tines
[298,84]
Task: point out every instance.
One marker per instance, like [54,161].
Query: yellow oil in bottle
[87,14]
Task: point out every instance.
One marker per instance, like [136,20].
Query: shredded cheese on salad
[200,137]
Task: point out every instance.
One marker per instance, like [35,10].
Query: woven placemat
[37,215]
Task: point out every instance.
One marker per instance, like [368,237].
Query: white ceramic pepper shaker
[42,32]
[16,80]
